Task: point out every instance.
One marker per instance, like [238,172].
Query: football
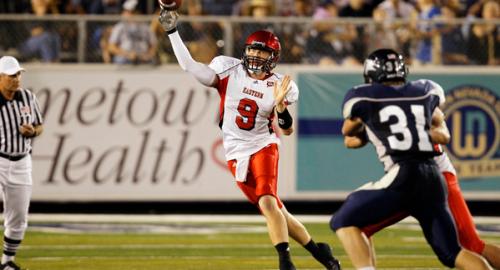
[170,4]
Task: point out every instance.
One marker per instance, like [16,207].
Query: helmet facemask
[256,64]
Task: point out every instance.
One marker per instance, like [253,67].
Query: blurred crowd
[339,32]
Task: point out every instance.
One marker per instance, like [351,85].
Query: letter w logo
[463,142]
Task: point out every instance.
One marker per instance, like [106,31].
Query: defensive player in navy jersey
[464,222]
[402,120]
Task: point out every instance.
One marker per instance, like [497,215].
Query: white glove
[168,19]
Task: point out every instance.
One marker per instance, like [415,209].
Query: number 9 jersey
[397,118]
[246,108]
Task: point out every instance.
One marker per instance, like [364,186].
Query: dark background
[323,207]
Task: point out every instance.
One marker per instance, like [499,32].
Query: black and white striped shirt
[22,109]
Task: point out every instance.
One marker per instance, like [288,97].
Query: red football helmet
[266,41]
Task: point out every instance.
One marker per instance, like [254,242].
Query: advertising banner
[151,134]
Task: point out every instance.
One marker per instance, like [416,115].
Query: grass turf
[207,246]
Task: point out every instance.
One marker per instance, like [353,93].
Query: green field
[200,246]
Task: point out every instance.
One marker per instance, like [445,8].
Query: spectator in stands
[77,6]
[44,43]
[382,32]
[329,44]
[302,8]
[67,32]
[475,9]
[105,6]
[452,40]
[132,42]
[240,7]
[358,9]
[319,46]
[468,4]
[483,44]
[340,4]
[294,35]
[97,47]
[8,28]
[18,6]
[260,10]
[43,7]
[326,9]
[398,9]
[103,40]
[459,7]
[287,8]
[164,52]
[293,53]
[98,32]
[426,32]
[218,7]
[203,36]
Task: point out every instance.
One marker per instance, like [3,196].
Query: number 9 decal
[248,109]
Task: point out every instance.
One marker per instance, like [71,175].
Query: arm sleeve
[201,72]
[437,90]
[115,32]
[349,104]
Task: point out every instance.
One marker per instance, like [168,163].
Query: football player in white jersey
[250,94]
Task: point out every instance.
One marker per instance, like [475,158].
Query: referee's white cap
[9,65]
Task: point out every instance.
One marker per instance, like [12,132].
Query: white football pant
[16,183]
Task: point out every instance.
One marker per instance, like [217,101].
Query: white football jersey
[246,107]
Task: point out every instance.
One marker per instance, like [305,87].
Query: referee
[20,122]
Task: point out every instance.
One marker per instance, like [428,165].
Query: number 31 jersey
[246,108]
[397,118]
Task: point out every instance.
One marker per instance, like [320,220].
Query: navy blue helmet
[385,65]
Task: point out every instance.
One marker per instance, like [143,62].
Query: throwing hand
[168,19]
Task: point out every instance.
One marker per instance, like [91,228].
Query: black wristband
[171,31]
[285,120]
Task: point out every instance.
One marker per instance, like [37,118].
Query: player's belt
[12,158]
